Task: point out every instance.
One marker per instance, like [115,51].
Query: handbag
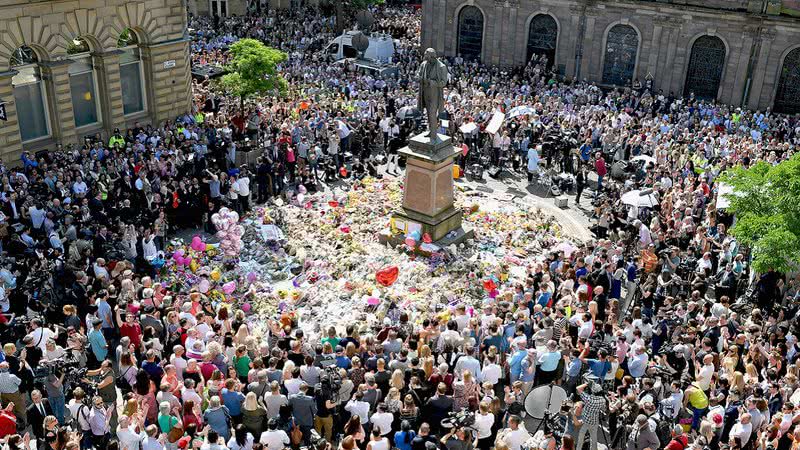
[295,434]
[175,434]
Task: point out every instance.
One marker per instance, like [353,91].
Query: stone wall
[48,26]
[756,44]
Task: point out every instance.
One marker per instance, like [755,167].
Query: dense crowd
[650,329]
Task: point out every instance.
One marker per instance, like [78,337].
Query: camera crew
[457,439]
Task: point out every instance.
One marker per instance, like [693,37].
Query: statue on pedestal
[432,76]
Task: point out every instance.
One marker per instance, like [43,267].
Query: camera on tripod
[459,419]
[330,382]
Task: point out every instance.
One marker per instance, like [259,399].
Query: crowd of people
[650,329]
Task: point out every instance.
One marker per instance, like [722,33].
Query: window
[622,45]
[130,73]
[705,68]
[542,36]
[29,95]
[470,32]
[787,99]
[218,7]
[82,84]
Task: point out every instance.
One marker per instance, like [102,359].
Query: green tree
[766,202]
[253,70]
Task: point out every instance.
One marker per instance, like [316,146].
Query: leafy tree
[766,202]
[253,70]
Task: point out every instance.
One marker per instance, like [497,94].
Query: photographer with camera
[593,405]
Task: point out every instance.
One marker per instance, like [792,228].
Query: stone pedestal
[428,192]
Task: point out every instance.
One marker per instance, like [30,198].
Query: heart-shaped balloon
[387,276]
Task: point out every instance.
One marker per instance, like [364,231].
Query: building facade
[739,52]
[73,68]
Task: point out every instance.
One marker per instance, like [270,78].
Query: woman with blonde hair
[253,414]
[738,383]
[426,360]
[466,392]
[750,374]
[409,411]
[393,401]
[398,380]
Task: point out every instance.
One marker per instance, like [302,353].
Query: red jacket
[8,423]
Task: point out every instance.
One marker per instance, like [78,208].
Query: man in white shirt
[127,435]
[491,371]
[742,429]
[188,393]
[41,334]
[517,434]
[273,438]
[151,442]
[382,420]
[244,190]
[359,407]
[705,373]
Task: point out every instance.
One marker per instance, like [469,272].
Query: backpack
[122,382]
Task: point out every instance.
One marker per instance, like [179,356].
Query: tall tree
[766,203]
[253,70]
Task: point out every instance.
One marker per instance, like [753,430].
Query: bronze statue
[432,76]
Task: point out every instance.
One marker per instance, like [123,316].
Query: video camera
[330,382]
[459,419]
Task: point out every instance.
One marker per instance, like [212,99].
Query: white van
[381,47]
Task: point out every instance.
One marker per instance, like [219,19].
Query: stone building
[740,52]
[224,8]
[73,68]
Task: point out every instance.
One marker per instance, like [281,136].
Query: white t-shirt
[491,373]
[742,431]
[383,421]
[483,423]
[129,439]
[704,378]
[244,186]
[515,438]
[274,440]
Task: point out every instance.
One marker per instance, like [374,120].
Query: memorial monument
[428,189]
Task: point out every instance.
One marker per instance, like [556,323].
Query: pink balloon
[229,287]
[410,242]
[246,307]
[204,286]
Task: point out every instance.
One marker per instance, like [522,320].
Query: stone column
[734,78]
[570,40]
[10,141]
[427,23]
[761,86]
[655,50]
[62,117]
[590,45]
[110,89]
[443,27]
[494,33]
[168,64]
[511,53]
[669,68]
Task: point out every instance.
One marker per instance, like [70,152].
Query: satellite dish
[360,42]
[365,19]
[545,399]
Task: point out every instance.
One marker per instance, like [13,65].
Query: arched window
[218,7]
[470,32]
[82,83]
[130,72]
[705,68]
[30,96]
[622,44]
[787,99]
[542,36]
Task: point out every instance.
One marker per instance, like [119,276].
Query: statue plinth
[428,192]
